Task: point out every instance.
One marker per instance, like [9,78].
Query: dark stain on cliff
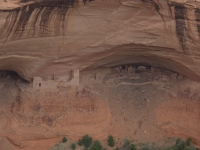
[180,12]
[197,14]
[44,18]
[180,17]
[22,22]
[9,25]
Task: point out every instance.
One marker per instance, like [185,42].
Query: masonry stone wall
[39,83]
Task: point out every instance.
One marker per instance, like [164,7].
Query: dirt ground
[144,104]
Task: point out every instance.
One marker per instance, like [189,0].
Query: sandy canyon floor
[149,105]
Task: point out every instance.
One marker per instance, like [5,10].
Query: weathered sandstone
[39,37]
[48,38]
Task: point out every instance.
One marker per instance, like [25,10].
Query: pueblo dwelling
[39,83]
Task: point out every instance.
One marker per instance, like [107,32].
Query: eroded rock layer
[37,37]
[51,37]
[143,104]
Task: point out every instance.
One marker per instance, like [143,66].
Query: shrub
[188,141]
[111,141]
[80,143]
[132,147]
[128,146]
[116,148]
[146,148]
[96,146]
[86,141]
[180,144]
[73,146]
[64,140]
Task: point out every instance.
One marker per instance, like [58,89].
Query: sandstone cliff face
[37,37]
[48,37]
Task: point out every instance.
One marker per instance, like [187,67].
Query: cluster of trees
[89,144]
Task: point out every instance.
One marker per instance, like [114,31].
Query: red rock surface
[39,37]
[52,37]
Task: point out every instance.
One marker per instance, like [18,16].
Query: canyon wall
[39,37]
[51,37]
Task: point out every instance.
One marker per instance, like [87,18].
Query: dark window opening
[39,84]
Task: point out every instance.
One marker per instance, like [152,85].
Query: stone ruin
[39,83]
[131,69]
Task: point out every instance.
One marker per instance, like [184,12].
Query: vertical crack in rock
[180,12]
[46,18]
[155,6]
[152,4]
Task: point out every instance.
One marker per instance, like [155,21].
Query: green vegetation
[111,141]
[182,145]
[88,144]
[132,147]
[80,143]
[73,146]
[146,148]
[116,148]
[64,140]
[86,141]
[128,146]
[96,146]
[126,143]
[188,141]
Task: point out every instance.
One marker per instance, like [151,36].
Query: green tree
[128,146]
[80,143]
[180,145]
[116,148]
[111,141]
[188,141]
[96,146]
[132,147]
[64,140]
[73,146]
[86,141]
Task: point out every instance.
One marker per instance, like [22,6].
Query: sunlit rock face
[39,37]
[52,37]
